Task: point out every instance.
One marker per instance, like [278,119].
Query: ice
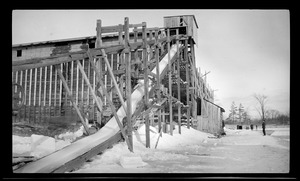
[71,136]
[42,145]
[21,146]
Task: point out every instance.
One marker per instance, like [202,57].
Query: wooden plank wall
[46,98]
[212,121]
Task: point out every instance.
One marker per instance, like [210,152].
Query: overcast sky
[246,51]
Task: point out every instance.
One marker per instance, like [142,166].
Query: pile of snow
[71,136]
[132,161]
[40,145]
[120,159]
[21,146]
[187,137]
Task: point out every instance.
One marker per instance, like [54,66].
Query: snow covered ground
[192,151]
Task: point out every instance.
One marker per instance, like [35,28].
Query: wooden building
[40,93]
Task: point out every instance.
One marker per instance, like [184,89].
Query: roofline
[222,109]
[52,41]
[185,15]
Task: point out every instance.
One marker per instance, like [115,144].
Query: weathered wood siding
[212,121]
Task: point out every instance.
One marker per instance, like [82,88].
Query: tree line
[238,115]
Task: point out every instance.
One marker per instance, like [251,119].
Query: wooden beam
[158,92]
[178,82]
[187,73]
[35,81]
[30,82]
[98,64]
[72,99]
[128,84]
[146,93]
[170,82]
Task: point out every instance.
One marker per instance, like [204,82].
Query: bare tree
[262,100]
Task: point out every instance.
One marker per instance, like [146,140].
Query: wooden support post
[34,90]
[82,86]
[88,77]
[72,78]
[55,86]
[158,82]
[25,90]
[77,84]
[146,96]
[188,83]
[72,99]
[170,82]
[99,66]
[45,85]
[50,85]
[60,90]
[164,125]
[30,84]
[105,81]
[110,102]
[121,60]
[128,83]
[178,81]
[94,84]
[111,83]
[121,55]
[194,111]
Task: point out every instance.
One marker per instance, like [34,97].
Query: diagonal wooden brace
[98,101]
[114,80]
[72,99]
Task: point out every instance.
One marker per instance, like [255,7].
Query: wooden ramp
[72,156]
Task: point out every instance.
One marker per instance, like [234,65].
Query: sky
[245,51]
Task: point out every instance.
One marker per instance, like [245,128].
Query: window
[198,106]
[91,45]
[19,53]
[181,21]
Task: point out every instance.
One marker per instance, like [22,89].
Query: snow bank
[187,137]
[72,136]
[132,162]
[21,146]
[120,159]
[40,145]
